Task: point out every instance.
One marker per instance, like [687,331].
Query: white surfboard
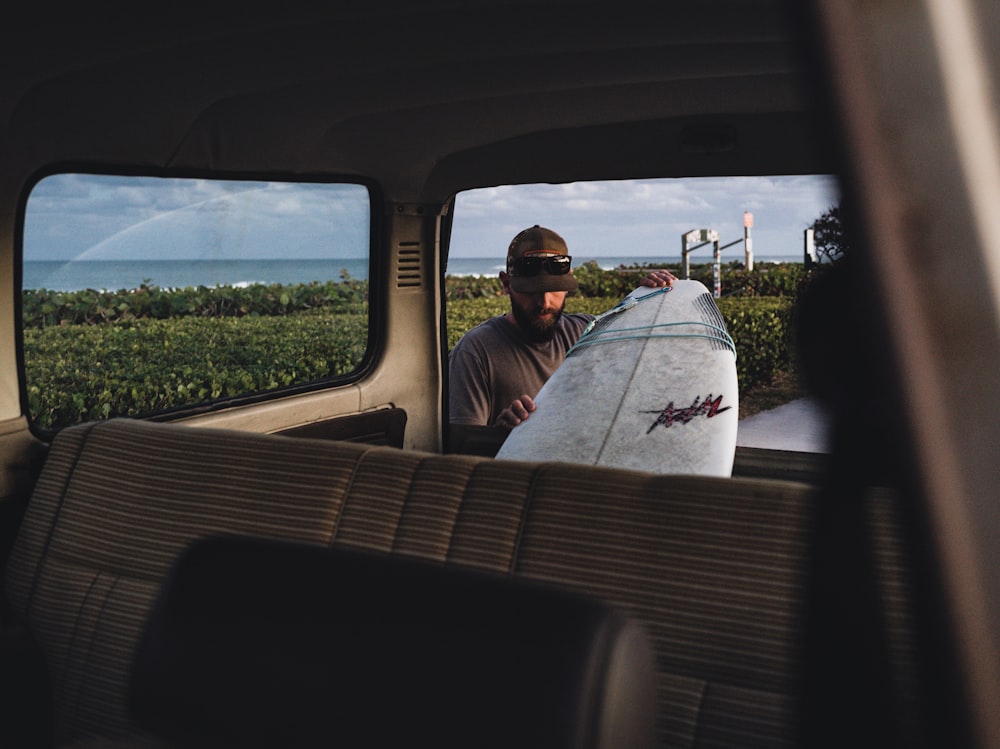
[651,385]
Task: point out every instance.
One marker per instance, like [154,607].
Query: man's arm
[469,389]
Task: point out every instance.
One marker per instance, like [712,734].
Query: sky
[645,218]
[102,217]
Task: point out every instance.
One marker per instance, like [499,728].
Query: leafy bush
[612,284]
[82,372]
[766,279]
[44,308]
[760,327]
[93,355]
[472,287]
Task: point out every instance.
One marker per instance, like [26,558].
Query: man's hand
[657,278]
[516,412]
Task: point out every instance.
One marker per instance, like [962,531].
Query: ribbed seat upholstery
[711,566]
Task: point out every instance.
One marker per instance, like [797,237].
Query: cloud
[644,218]
[91,217]
[74,216]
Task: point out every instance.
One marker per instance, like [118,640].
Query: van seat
[257,643]
[711,566]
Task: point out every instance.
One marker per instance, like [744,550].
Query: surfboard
[650,385]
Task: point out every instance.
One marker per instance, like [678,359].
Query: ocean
[114,275]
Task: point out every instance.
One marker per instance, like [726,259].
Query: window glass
[772,235]
[143,294]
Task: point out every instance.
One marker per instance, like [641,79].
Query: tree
[829,238]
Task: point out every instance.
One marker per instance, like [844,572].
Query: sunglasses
[532,265]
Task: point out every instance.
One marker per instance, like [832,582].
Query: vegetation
[829,238]
[93,355]
[42,308]
[81,372]
[757,305]
[761,326]
[769,279]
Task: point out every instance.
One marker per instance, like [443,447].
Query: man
[498,367]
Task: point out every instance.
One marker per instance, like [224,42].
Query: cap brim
[543,282]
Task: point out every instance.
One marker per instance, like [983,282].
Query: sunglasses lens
[530,265]
[558,265]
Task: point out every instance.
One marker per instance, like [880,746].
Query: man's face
[536,314]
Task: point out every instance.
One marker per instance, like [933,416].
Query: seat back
[258,643]
[711,566]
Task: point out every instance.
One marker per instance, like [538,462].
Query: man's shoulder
[488,329]
[489,326]
[577,320]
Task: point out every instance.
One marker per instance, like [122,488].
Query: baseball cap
[541,243]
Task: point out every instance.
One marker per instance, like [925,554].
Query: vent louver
[408,270]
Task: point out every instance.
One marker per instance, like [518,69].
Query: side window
[142,295]
[757,243]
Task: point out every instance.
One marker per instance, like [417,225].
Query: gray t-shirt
[494,363]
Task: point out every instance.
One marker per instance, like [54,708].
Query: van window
[144,294]
[754,241]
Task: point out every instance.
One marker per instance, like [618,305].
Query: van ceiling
[425,97]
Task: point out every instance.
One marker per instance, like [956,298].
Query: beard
[538,329]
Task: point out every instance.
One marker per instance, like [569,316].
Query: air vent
[408,271]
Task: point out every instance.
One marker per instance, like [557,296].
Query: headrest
[263,643]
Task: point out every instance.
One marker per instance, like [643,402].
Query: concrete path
[800,425]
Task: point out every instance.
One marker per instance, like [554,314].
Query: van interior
[337,553]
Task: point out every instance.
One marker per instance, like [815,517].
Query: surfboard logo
[667,417]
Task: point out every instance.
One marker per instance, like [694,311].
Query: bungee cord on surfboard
[593,334]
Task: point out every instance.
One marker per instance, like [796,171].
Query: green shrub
[83,372]
[760,328]
[615,284]
[472,287]
[42,308]
[93,355]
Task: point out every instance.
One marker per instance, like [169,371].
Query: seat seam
[421,462]
[71,646]
[356,468]
[458,512]
[530,495]
[44,552]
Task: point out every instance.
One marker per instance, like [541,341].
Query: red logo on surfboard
[669,416]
